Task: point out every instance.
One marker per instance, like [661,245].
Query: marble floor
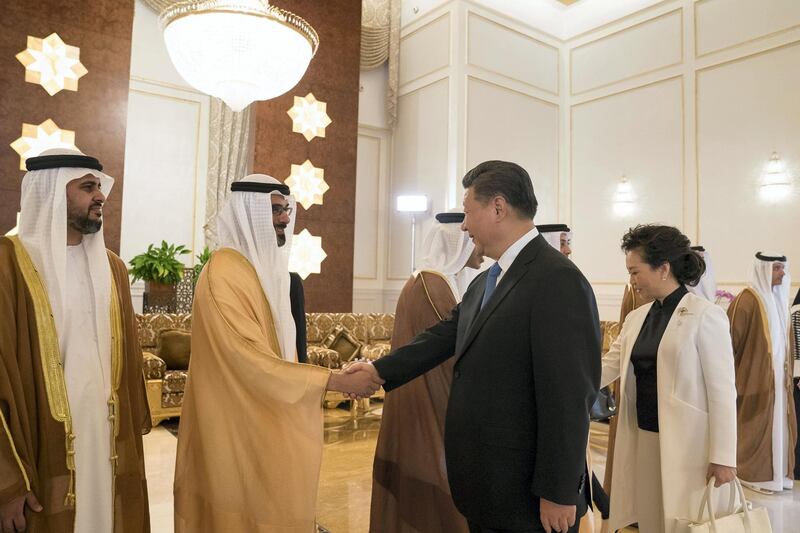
[346,477]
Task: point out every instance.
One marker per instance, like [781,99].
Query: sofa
[371,331]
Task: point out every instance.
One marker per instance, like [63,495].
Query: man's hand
[12,514]
[358,380]
[722,474]
[556,517]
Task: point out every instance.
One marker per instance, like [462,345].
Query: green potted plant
[161,271]
[202,259]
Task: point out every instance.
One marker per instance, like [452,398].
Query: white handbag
[741,520]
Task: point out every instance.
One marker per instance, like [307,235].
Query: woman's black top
[643,358]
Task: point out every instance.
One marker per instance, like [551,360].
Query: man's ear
[500,205]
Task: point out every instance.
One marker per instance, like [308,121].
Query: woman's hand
[722,474]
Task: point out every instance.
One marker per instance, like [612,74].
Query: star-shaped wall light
[307,254]
[52,64]
[307,183]
[309,116]
[36,139]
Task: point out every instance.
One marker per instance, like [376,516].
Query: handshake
[356,380]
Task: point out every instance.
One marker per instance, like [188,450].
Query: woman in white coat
[677,417]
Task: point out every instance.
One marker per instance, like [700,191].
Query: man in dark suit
[526,338]
[298,299]
[281,213]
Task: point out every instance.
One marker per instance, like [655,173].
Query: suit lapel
[515,273]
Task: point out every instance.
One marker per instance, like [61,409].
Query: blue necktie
[491,282]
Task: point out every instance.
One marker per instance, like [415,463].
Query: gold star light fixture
[309,116]
[36,139]
[52,64]
[307,183]
[306,255]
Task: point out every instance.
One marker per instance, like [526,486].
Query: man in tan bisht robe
[409,479]
[767,426]
[72,400]
[250,440]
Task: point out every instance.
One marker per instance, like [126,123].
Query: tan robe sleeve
[252,337]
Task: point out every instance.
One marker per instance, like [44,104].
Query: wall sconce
[414,204]
[13,231]
[309,116]
[624,199]
[36,139]
[52,64]
[306,255]
[307,183]
[776,184]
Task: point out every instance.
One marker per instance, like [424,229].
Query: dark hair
[501,178]
[665,244]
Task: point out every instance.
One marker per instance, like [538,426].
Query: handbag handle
[707,502]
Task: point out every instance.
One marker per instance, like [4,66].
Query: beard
[83,224]
[281,236]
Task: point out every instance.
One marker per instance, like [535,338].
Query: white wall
[464,98]
[166,151]
[687,99]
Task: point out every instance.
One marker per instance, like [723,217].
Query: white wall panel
[149,57]
[166,159]
[511,126]
[636,50]
[419,166]
[724,23]
[501,50]
[746,110]
[425,50]
[368,200]
[637,133]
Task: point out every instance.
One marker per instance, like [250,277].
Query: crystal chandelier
[238,50]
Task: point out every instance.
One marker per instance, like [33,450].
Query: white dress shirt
[513,251]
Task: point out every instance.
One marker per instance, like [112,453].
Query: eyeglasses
[278,210]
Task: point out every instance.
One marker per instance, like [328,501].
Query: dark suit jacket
[298,299]
[527,371]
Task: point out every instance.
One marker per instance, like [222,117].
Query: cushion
[154,367]
[343,342]
[379,326]
[372,352]
[150,324]
[325,357]
[174,346]
[174,381]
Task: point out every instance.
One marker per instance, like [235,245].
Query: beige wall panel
[744,21]
[746,110]
[638,133]
[511,126]
[501,50]
[368,201]
[643,48]
[419,167]
[425,50]
[165,152]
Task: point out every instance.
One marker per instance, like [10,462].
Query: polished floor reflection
[346,477]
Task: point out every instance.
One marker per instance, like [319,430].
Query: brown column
[97,112]
[333,77]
